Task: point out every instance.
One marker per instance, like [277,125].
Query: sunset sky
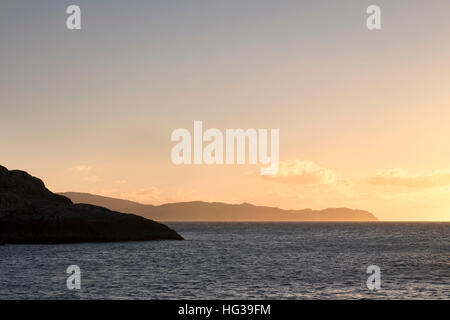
[364,116]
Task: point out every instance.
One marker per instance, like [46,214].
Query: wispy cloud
[306,173]
[81,168]
[85,173]
[92,178]
[399,177]
[149,195]
[154,195]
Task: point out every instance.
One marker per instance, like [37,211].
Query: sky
[363,115]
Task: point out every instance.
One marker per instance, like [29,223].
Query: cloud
[149,195]
[154,195]
[306,173]
[91,179]
[85,173]
[81,168]
[399,177]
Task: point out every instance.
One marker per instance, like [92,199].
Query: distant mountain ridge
[217,211]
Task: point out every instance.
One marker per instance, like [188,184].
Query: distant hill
[217,211]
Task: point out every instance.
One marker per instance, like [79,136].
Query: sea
[242,261]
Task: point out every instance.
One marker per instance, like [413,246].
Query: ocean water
[242,261]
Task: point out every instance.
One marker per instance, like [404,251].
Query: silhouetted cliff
[30,213]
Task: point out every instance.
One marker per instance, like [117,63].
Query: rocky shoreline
[31,214]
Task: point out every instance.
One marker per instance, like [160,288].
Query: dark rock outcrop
[30,213]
